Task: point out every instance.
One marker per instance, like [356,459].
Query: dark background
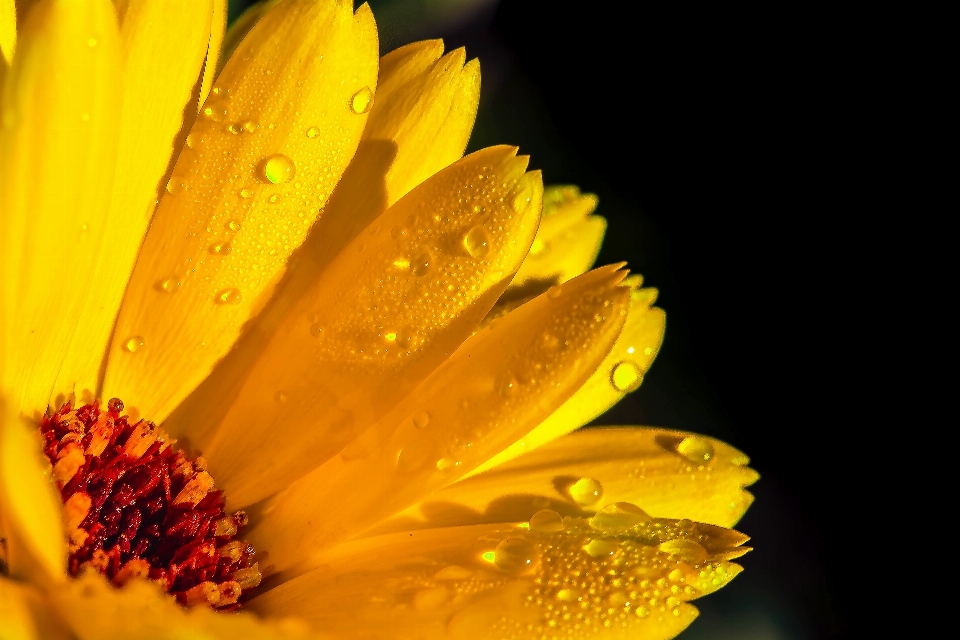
[785,173]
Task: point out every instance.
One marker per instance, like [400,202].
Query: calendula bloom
[270,342]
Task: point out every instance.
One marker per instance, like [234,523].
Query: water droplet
[421,264]
[133,344]
[506,384]
[170,285]
[91,42]
[447,464]
[195,140]
[546,520]
[687,550]
[626,376]
[568,595]
[235,128]
[280,397]
[515,555]
[642,612]
[416,456]
[586,491]
[554,292]
[618,515]
[601,547]
[215,109]
[695,449]
[278,169]
[246,193]
[521,201]
[222,248]
[316,329]
[477,242]
[398,232]
[313,132]
[390,336]
[233,225]
[401,263]
[176,186]
[362,100]
[229,296]
[538,247]
[251,126]
[275,198]
[421,419]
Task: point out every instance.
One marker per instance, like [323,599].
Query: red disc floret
[137,507]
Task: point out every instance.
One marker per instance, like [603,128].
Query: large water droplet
[687,550]
[133,344]
[421,419]
[601,547]
[176,185]
[695,449]
[235,128]
[362,100]
[477,242]
[251,126]
[586,491]
[195,140]
[170,285]
[316,329]
[233,225]
[278,169]
[568,595]
[221,248]
[313,132]
[215,108]
[416,456]
[546,520]
[642,612]
[618,515]
[515,555]
[626,376]
[420,265]
[506,384]
[229,296]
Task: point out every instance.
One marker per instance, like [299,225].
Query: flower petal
[498,383]
[621,372]
[643,466]
[24,614]
[271,143]
[95,610]
[29,504]
[218,28]
[568,241]
[391,307]
[59,110]
[506,581]
[163,52]
[240,27]
[8,29]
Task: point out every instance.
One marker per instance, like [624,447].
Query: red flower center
[137,507]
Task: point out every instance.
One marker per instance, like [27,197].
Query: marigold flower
[271,343]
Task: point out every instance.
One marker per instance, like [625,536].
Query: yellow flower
[377,345]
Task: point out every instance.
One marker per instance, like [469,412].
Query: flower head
[351,360]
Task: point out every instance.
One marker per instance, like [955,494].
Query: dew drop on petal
[215,109]
[313,132]
[687,550]
[477,242]
[221,248]
[229,296]
[420,265]
[554,292]
[515,555]
[235,128]
[233,225]
[417,455]
[246,193]
[421,419]
[194,140]
[586,491]
[176,186]
[626,376]
[170,285]
[618,515]
[695,449]
[506,384]
[280,397]
[568,595]
[546,520]
[250,126]
[601,547]
[362,100]
[316,329]
[278,169]
[133,344]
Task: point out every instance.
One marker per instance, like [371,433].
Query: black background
[785,174]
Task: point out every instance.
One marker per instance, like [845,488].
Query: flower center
[135,506]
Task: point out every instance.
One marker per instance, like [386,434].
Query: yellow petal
[218,27]
[620,372]
[506,581]
[25,615]
[29,503]
[8,29]
[420,97]
[242,196]
[240,27]
[96,610]
[163,51]
[60,132]
[643,466]
[392,307]
[568,241]
[498,383]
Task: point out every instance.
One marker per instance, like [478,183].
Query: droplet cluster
[136,507]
